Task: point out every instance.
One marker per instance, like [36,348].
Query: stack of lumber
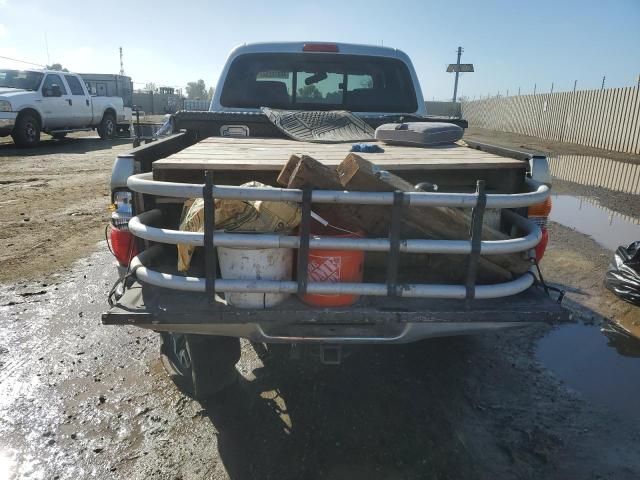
[357,174]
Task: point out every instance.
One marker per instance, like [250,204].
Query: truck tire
[200,365]
[26,132]
[59,135]
[107,127]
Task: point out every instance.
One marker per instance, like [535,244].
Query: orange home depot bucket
[334,266]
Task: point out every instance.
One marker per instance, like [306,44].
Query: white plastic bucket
[255,264]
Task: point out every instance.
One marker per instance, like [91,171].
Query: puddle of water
[7,465]
[610,229]
[597,172]
[603,368]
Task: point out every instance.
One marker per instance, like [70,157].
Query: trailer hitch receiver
[331,354]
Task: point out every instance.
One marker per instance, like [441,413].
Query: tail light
[320,47]
[122,242]
[123,245]
[539,213]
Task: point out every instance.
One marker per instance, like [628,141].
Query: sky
[513,44]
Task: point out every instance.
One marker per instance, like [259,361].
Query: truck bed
[168,307]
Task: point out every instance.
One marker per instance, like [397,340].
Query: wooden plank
[473,154]
[305,171]
[375,220]
[281,157]
[395,156]
[287,170]
[270,154]
[341,147]
[443,223]
[275,166]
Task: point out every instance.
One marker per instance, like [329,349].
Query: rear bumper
[371,320]
[7,122]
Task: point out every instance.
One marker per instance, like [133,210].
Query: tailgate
[370,320]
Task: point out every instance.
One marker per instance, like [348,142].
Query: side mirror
[55,90]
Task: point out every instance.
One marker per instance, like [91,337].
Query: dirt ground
[53,202]
[81,400]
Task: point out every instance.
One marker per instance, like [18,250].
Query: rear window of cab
[319,82]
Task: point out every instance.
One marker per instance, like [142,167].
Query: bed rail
[142,227]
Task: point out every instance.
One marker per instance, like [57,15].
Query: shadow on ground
[65,145]
[386,412]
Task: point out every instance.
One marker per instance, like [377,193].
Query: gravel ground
[81,400]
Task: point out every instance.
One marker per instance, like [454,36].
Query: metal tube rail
[197,284]
[144,183]
[138,225]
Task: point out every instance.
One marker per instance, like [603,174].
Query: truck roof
[342,48]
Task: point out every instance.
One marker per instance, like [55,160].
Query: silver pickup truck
[53,102]
[406,293]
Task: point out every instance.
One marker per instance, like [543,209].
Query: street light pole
[455,85]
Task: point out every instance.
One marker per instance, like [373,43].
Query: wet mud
[83,400]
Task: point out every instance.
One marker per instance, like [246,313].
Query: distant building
[109,85]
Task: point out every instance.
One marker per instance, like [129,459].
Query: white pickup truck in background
[54,102]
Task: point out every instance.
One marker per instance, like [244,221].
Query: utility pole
[575,84]
[534,88]
[507,92]
[551,87]
[455,85]
[603,78]
[518,91]
[46,44]
[121,64]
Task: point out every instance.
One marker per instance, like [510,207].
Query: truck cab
[53,102]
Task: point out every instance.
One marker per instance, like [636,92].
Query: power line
[22,61]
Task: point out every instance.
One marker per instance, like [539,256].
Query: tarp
[623,276]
